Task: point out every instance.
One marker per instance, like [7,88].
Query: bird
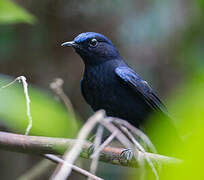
[109,83]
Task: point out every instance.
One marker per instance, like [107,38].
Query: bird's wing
[141,87]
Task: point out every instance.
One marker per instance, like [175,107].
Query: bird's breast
[97,83]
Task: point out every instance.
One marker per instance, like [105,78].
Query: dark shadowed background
[162,40]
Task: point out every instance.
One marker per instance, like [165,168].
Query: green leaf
[187,105]
[12,13]
[50,117]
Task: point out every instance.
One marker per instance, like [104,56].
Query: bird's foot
[90,150]
[126,155]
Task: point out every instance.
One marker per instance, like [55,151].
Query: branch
[70,156]
[97,142]
[46,145]
[56,86]
[56,159]
[25,87]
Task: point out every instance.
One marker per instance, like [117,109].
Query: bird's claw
[90,150]
[126,155]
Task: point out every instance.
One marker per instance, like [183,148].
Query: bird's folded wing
[141,87]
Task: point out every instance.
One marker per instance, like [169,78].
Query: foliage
[50,118]
[12,13]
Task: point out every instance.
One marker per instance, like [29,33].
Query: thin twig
[25,87]
[135,131]
[137,144]
[97,142]
[56,86]
[104,144]
[132,138]
[119,135]
[9,84]
[80,170]
[71,155]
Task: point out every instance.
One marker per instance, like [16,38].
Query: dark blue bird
[110,84]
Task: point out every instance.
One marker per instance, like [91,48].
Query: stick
[97,142]
[70,156]
[56,159]
[39,145]
[25,87]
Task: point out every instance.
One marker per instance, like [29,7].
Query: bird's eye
[93,43]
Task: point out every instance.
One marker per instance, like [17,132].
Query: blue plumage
[89,35]
[110,84]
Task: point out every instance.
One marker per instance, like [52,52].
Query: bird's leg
[106,139]
[126,155]
[91,150]
[91,147]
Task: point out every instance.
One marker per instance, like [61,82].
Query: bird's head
[94,48]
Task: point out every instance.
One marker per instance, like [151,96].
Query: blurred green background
[163,40]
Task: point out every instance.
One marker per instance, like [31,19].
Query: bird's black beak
[69,44]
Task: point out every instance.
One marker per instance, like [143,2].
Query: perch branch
[46,145]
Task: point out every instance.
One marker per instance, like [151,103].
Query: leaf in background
[50,117]
[12,13]
[187,105]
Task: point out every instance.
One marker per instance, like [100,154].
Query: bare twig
[119,135]
[71,155]
[104,144]
[54,158]
[137,144]
[25,87]
[135,131]
[9,84]
[56,86]
[132,138]
[123,126]
[97,142]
